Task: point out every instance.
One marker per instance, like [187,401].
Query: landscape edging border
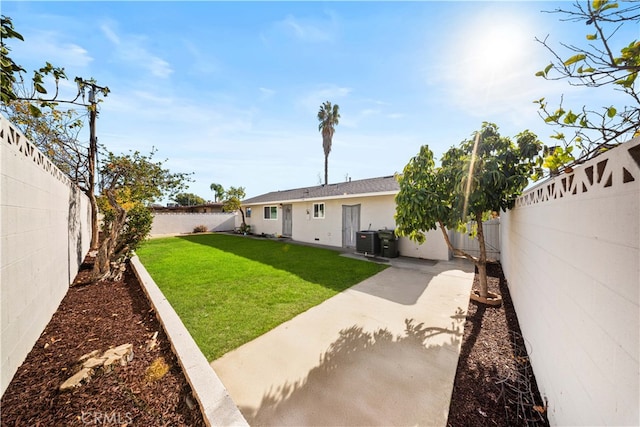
[216,405]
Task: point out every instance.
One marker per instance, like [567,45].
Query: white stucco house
[332,214]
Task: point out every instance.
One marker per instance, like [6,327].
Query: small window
[318,210]
[270,212]
[248,212]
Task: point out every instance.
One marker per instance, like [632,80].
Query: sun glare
[488,57]
[497,48]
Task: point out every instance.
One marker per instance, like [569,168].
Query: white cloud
[110,34]
[200,63]
[50,46]
[266,93]
[149,97]
[355,118]
[133,51]
[305,30]
[158,67]
[312,99]
[376,102]
[369,112]
[190,128]
[314,29]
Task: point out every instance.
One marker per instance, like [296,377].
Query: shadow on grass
[316,265]
[370,378]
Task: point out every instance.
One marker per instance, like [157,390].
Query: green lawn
[230,289]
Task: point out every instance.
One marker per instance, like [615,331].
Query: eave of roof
[361,188]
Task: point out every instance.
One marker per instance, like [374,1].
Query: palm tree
[218,191]
[328,117]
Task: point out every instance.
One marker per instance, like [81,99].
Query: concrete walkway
[383,352]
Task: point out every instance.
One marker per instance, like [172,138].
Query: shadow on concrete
[396,285]
[371,378]
[407,280]
[329,268]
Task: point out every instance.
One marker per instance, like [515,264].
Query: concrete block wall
[570,252]
[183,223]
[44,235]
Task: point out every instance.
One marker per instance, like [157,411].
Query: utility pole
[93,150]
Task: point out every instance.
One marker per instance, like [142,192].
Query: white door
[350,225]
[287,220]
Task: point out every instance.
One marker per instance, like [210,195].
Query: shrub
[200,229]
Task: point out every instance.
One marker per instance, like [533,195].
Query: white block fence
[45,233]
[571,255]
[184,223]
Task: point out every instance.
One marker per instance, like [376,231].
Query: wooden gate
[470,245]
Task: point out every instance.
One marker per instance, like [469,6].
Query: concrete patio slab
[383,352]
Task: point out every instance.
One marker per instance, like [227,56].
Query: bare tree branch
[597,64]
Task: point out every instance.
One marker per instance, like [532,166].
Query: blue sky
[230,90]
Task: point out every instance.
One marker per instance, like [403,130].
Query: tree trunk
[102,267]
[94,220]
[326,169]
[450,245]
[327,135]
[482,261]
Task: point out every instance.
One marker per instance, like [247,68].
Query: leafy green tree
[218,191]
[233,201]
[603,60]
[329,117]
[484,174]
[9,67]
[13,84]
[188,199]
[130,183]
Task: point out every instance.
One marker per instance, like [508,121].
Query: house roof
[371,186]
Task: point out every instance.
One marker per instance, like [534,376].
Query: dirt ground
[494,382]
[96,317]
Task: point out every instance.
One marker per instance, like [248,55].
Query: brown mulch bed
[97,317]
[494,384]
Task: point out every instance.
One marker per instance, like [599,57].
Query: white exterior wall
[260,225]
[44,235]
[435,247]
[376,212]
[183,223]
[573,266]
